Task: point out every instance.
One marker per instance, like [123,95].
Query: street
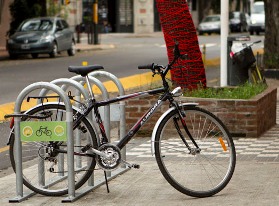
[121,61]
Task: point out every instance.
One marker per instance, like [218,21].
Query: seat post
[89,87]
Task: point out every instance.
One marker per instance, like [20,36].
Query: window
[65,24]
[194,5]
[58,25]
[37,25]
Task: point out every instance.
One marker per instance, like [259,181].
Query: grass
[245,91]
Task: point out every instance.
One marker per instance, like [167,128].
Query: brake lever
[157,69]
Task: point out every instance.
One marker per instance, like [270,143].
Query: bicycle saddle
[84,70]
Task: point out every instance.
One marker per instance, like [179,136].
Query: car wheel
[251,32]
[241,29]
[72,50]
[54,52]
[246,28]
[257,32]
[34,56]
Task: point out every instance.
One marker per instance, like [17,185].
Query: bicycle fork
[181,115]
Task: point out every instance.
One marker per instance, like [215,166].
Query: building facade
[117,16]
[5,18]
[135,16]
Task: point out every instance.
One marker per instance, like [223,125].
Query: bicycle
[193,148]
[43,130]
[245,58]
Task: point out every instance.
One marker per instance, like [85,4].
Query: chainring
[113,158]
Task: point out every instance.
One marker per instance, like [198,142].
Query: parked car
[44,35]
[257,18]
[238,21]
[210,24]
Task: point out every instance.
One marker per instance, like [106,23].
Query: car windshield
[211,18]
[37,25]
[258,8]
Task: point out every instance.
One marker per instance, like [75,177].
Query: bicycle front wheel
[197,173]
[45,165]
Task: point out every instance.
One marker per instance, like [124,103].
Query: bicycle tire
[55,179]
[260,75]
[256,76]
[198,175]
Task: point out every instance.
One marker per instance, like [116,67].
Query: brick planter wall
[245,118]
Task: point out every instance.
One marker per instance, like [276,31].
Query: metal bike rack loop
[111,175]
[18,145]
[122,119]
[65,84]
[80,90]
[52,86]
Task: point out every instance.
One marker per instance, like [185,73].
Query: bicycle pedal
[135,166]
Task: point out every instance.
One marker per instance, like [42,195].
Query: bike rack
[18,145]
[105,96]
[79,90]
[116,107]
[77,82]
[92,184]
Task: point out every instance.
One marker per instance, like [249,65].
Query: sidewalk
[255,181]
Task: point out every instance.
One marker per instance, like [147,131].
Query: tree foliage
[24,9]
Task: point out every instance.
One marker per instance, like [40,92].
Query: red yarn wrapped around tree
[177,25]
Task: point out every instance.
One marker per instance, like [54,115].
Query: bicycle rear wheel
[44,167]
[255,75]
[197,174]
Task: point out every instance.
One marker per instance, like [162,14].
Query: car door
[59,35]
[67,34]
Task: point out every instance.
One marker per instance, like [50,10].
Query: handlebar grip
[147,66]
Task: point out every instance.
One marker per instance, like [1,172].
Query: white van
[257,20]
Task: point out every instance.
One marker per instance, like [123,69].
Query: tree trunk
[271,43]
[178,26]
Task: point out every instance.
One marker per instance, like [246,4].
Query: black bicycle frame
[123,141]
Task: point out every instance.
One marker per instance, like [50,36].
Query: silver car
[210,24]
[44,35]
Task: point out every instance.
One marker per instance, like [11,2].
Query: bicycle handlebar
[155,67]
[250,45]
[147,66]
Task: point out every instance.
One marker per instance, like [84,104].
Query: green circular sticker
[59,130]
[27,131]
